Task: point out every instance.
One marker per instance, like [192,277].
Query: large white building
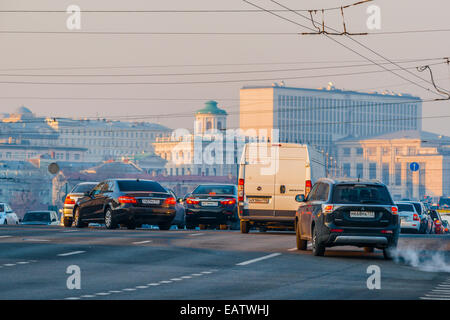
[319,117]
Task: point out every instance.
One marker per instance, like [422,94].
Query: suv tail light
[416,217]
[228,202]
[192,201]
[327,208]
[394,210]
[69,200]
[170,201]
[126,199]
[241,190]
[308,186]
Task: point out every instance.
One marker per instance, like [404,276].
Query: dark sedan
[212,205]
[126,201]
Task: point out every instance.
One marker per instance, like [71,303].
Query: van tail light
[327,208]
[337,230]
[416,217]
[394,210]
[126,199]
[241,190]
[192,201]
[228,202]
[69,200]
[308,186]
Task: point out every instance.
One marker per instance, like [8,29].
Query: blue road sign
[414,166]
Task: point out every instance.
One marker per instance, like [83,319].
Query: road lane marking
[196,274]
[434,298]
[23,262]
[141,287]
[292,249]
[206,272]
[196,234]
[2,237]
[9,264]
[142,242]
[103,294]
[440,292]
[176,279]
[87,296]
[129,289]
[66,231]
[115,291]
[70,253]
[73,298]
[165,281]
[153,284]
[258,259]
[37,240]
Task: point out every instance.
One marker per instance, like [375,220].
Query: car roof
[350,181]
[40,211]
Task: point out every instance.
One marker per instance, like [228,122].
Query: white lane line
[87,296]
[73,298]
[9,264]
[103,294]
[186,277]
[142,242]
[196,274]
[1,237]
[292,249]
[206,272]
[435,298]
[196,234]
[70,253]
[23,262]
[67,231]
[129,289]
[36,240]
[115,291]
[165,281]
[258,259]
[176,279]
[141,287]
[153,284]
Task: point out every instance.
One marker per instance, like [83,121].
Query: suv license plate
[362,214]
[150,201]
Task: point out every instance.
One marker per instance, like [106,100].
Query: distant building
[388,158]
[321,116]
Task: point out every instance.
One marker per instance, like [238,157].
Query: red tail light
[308,186]
[337,230]
[228,202]
[386,231]
[394,210]
[69,200]
[212,193]
[416,217]
[327,208]
[170,201]
[241,190]
[192,201]
[126,199]
[437,222]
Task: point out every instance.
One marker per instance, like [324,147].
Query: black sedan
[126,201]
[212,205]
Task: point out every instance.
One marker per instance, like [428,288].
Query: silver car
[409,218]
[7,215]
[79,191]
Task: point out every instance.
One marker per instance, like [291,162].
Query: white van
[270,177]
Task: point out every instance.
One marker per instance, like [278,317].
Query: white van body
[270,176]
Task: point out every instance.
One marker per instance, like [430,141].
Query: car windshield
[83,188]
[214,189]
[418,207]
[402,207]
[140,185]
[37,216]
[358,193]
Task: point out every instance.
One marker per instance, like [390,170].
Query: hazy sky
[159,53]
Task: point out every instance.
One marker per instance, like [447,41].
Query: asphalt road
[210,264]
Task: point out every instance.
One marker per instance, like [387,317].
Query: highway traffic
[49,262]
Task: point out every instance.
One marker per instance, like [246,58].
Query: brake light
[228,202]
[192,201]
[308,186]
[327,209]
[394,210]
[416,217]
[437,222]
[337,230]
[170,201]
[126,199]
[69,200]
[386,231]
[241,190]
[212,193]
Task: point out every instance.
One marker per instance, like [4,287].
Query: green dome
[211,108]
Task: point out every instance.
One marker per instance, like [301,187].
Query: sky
[172,102]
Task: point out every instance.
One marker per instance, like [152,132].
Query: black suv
[347,212]
[126,201]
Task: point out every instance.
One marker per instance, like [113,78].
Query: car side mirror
[300,198]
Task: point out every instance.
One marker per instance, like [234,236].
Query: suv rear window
[402,207]
[216,189]
[134,185]
[361,193]
[418,207]
[82,188]
[37,216]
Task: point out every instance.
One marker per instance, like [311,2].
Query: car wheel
[131,225]
[164,226]
[388,253]
[110,222]
[245,227]
[369,249]
[301,244]
[317,248]
[77,222]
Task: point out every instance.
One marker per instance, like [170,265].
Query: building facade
[392,158]
[319,117]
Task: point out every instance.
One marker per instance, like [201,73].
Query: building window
[411,151]
[359,151]
[360,170]
[346,168]
[385,173]
[346,151]
[398,174]
[372,170]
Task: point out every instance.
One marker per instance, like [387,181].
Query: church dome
[211,108]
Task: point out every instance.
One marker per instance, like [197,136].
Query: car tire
[77,221]
[110,222]
[67,222]
[369,249]
[245,226]
[301,244]
[164,226]
[318,249]
[388,253]
[131,225]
